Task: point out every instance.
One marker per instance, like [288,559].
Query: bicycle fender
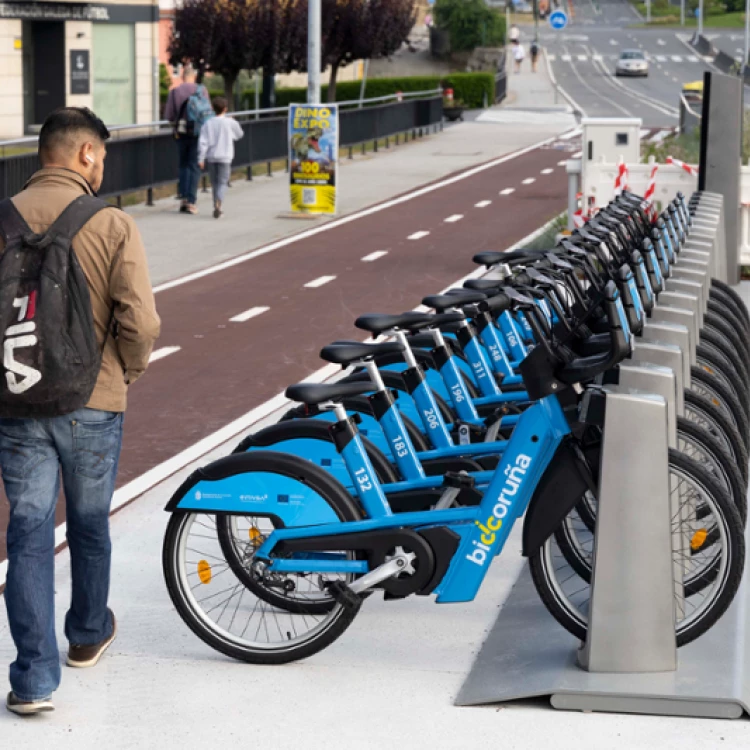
[559,491]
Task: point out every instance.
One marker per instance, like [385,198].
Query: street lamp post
[747,36]
[682,12]
[648,11]
[313,51]
[700,18]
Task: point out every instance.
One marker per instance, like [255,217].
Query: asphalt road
[583,55]
[235,338]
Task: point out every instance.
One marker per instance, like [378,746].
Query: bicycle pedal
[344,595]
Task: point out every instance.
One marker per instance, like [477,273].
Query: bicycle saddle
[484,285]
[314,393]
[344,353]
[491,258]
[378,322]
[457,298]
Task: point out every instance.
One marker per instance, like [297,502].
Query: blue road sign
[558,19]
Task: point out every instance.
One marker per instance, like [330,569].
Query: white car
[632,62]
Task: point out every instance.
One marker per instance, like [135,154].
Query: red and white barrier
[621,181]
[693,171]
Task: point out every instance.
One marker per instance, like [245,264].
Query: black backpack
[51,358]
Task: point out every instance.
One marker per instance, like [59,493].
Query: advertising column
[313,157]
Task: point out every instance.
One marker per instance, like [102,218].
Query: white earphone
[89,158]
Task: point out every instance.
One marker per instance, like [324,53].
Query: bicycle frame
[483,529]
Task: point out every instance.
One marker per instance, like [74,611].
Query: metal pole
[747,36]
[648,11]
[364,82]
[313,51]
[700,17]
[507,23]
[257,95]
[682,12]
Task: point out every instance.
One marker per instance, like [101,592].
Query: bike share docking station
[630,662]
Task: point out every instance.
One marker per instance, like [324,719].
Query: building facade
[98,55]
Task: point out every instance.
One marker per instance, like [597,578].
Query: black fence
[145,162]
[501,86]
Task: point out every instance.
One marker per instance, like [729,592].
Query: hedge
[469,87]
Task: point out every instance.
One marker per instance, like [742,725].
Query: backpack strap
[12,224]
[72,219]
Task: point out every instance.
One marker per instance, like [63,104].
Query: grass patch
[546,239]
[669,15]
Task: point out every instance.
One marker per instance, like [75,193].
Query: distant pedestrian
[187,140]
[514,34]
[518,55]
[216,149]
[534,52]
[88,333]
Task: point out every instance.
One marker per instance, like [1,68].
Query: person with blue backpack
[188,108]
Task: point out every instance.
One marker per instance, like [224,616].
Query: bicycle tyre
[713,343]
[700,409]
[340,617]
[712,320]
[542,570]
[730,314]
[715,390]
[722,291]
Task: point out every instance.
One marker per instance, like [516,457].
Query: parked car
[632,62]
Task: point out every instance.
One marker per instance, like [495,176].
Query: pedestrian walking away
[216,150]
[78,319]
[514,34]
[534,52]
[187,140]
[518,55]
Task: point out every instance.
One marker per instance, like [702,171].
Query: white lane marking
[562,163]
[528,181]
[547,171]
[565,58]
[374,256]
[507,191]
[165,351]
[320,281]
[582,58]
[418,235]
[482,204]
[692,58]
[614,42]
[676,58]
[453,219]
[552,57]
[418,193]
[598,57]
[660,58]
[251,313]
[147,481]
[577,155]
[661,42]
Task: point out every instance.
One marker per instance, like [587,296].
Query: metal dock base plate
[528,655]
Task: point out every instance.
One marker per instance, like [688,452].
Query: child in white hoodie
[216,148]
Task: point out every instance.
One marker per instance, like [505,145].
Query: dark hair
[63,123]
[219,103]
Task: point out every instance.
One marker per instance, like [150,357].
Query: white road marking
[374,256]
[661,42]
[577,155]
[692,58]
[582,58]
[320,281]
[552,57]
[254,311]
[165,351]
[660,58]
[507,191]
[565,58]
[417,235]
[562,163]
[482,204]
[614,42]
[598,57]
[547,171]
[453,219]
[676,58]
[418,193]
[528,181]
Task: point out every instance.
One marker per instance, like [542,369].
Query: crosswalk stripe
[552,58]
[565,58]
[582,58]
[676,58]
[660,58]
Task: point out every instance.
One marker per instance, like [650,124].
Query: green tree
[470,24]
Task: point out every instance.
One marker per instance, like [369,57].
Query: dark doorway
[49,67]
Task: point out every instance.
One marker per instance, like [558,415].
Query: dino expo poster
[313,157]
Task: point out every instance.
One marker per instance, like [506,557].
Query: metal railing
[147,158]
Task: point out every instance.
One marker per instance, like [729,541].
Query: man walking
[187,142]
[518,55]
[82,448]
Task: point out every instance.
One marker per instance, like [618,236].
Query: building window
[113,67]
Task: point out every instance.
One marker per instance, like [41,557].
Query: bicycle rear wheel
[715,571]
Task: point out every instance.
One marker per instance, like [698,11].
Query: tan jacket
[111,254]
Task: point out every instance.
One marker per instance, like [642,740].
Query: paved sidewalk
[257,211]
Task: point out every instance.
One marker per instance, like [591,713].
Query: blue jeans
[84,449]
[190,173]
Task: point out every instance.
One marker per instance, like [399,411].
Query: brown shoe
[191,209]
[27,708]
[88,656]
